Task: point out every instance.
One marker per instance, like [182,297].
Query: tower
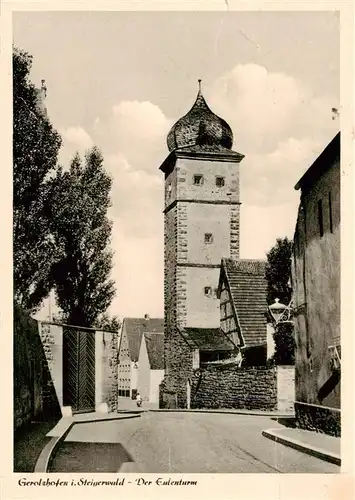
[201,225]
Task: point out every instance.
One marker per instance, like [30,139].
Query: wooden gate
[79,369]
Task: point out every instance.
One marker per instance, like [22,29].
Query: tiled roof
[155,350]
[136,327]
[207,339]
[247,283]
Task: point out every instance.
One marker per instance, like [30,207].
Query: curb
[48,452]
[225,412]
[302,447]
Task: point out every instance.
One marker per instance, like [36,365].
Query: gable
[136,327]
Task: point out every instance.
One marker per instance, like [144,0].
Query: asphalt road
[182,443]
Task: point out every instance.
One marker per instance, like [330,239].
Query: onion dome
[200,127]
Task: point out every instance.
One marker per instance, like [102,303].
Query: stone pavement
[313,443]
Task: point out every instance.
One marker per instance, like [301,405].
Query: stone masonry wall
[177,373]
[34,393]
[234,231]
[110,370]
[242,388]
[183,234]
[52,342]
[318,418]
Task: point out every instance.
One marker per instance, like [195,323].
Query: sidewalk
[258,413]
[319,445]
[65,422]
[66,425]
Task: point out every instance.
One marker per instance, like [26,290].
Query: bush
[284,344]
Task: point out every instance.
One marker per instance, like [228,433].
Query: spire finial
[199,84]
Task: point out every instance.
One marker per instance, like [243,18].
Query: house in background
[242,293]
[316,294]
[151,366]
[132,333]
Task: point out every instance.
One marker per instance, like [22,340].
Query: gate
[79,369]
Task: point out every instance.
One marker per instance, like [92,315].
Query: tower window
[219,181]
[169,188]
[320,218]
[198,180]
[208,291]
[208,238]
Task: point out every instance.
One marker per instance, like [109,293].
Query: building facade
[132,333]
[151,366]
[316,285]
[201,218]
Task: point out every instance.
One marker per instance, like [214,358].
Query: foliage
[284,344]
[107,323]
[278,272]
[82,231]
[35,149]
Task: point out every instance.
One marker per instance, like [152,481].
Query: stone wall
[110,370]
[34,393]
[318,418]
[52,342]
[190,264]
[242,388]
[317,294]
[177,371]
[106,371]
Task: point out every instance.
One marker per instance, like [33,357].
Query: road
[182,443]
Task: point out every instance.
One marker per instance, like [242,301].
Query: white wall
[125,366]
[134,374]
[286,388]
[143,379]
[270,340]
[156,376]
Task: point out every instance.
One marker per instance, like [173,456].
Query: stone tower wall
[190,264]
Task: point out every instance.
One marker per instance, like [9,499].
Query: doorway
[79,369]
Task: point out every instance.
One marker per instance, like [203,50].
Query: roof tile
[155,350]
[136,327]
[247,283]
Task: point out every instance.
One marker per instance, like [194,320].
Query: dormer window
[219,181]
[198,180]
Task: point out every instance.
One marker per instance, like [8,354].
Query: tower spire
[199,84]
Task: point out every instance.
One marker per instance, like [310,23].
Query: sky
[119,80]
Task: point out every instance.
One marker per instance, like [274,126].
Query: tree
[35,150]
[278,274]
[82,231]
[278,271]
[284,344]
[107,323]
